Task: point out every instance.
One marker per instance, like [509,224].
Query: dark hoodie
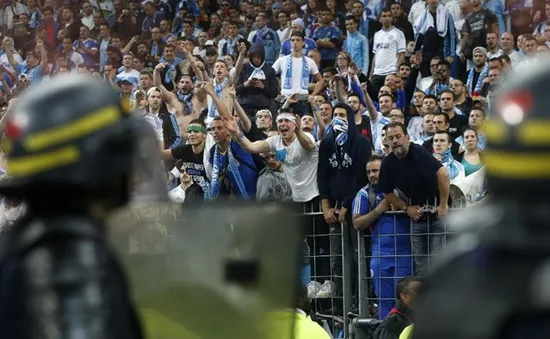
[253,97]
[341,171]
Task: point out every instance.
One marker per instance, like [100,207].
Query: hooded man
[257,82]
[343,155]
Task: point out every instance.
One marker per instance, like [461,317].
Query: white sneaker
[326,290]
[313,288]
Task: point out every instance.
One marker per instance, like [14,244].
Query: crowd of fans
[361,107]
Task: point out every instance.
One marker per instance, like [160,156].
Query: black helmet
[70,132]
[517,157]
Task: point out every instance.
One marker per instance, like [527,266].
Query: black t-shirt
[466,106]
[456,124]
[414,175]
[192,162]
[255,134]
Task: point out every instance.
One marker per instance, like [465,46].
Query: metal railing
[355,273]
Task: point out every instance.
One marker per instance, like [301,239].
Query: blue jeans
[427,240]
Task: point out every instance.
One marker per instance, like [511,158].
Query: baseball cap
[479,49]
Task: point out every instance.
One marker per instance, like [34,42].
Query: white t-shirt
[376,130]
[387,45]
[156,124]
[280,68]
[300,167]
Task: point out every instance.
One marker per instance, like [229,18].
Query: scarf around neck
[218,88]
[449,163]
[186,99]
[257,72]
[475,90]
[226,164]
[304,81]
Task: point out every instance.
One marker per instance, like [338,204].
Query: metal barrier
[363,268]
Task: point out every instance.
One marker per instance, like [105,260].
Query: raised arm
[260,146]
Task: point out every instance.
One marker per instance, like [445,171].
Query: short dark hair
[329,69]
[375,157]
[449,139]
[445,116]
[505,57]
[395,124]
[354,95]
[430,96]
[386,95]
[403,285]
[385,9]
[448,91]
[352,17]
[297,34]
[444,63]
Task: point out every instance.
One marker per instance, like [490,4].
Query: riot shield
[211,271]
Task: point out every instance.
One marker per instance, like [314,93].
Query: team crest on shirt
[390,37]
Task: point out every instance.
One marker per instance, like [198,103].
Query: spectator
[188,191]
[471,157]
[428,130]
[389,50]
[298,26]
[457,120]
[357,45]
[400,21]
[442,151]
[391,246]
[272,182]
[435,33]
[269,38]
[462,101]
[295,70]
[296,150]
[327,37]
[402,315]
[441,79]
[474,32]
[475,76]
[343,152]
[441,123]
[257,83]
[507,48]
[422,181]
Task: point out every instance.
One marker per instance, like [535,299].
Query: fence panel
[394,248]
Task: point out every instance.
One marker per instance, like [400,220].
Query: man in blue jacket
[390,257]
[343,155]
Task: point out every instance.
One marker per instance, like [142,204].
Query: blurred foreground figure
[72,150]
[220,270]
[494,282]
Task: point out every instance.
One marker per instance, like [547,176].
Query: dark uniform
[494,281]
[71,152]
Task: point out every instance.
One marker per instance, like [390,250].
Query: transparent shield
[149,184]
[218,271]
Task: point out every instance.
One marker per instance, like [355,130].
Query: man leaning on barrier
[391,244]
[494,280]
[416,174]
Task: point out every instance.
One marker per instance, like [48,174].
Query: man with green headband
[191,153]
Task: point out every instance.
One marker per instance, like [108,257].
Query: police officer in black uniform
[494,282]
[71,150]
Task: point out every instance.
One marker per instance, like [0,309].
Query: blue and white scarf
[218,88]
[288,76]
[218,164]
[425,21]
[449,163]
[475,91]
[231,45]
[340,128]
[171,72]
[186,99]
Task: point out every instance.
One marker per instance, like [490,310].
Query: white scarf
[257,73]
[426,21]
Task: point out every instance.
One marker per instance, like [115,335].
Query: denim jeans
[427,241]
